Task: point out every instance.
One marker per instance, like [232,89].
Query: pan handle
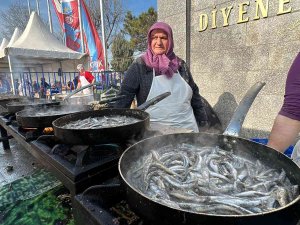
[108,100]
[78,90]
[235,124]
[153,101]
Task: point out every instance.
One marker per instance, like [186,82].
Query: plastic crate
[264,141]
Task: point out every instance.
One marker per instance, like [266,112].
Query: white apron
[176,109]
[84,82]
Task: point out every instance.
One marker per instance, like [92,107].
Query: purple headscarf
[167,63]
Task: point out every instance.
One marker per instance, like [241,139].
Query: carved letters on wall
[261,11]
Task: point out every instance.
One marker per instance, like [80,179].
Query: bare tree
[15,16]
[113,17]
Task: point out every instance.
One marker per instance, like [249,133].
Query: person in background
[16,83]
[286,125]
[44,87]
[85,78]
[6,85]
[75,81]
[157,71]
[36,88]
[20,89]
[3,88]
[70,86]
[25,88]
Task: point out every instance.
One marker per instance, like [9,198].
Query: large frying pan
[4,99]
[117,134]
[160,213]
[14,107]
[43,116]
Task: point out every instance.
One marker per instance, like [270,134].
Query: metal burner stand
[76,176]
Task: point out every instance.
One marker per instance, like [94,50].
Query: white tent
[13,39]
[38,42]
[37,45]
[4,43]
[3,62]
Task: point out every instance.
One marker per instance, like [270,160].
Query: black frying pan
[160,213]
[14,107]
[43,116]
[164,214]
[5,99]
[118,134]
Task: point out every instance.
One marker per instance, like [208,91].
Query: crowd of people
[41,88]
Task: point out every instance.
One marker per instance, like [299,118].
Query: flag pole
[103,33]
[49,17]
[80,26]
[38,6]
[29,8]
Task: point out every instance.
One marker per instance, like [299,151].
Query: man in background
[44,87]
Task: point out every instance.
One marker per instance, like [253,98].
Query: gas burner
[8,117]
[78,166]
[30,134]
[81,155]
[105,204]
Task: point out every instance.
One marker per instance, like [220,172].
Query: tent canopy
[4,43]
[14,37]
[38,42]
[3,61]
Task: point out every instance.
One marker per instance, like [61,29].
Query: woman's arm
[130,86]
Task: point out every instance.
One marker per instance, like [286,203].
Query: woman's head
[80,68]
[159,54]
[160,39]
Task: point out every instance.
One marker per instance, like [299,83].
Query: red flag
[67,12]
[92,40]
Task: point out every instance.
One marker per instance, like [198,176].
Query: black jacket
[138,81]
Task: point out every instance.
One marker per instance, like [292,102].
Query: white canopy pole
[29,8]
[80,26]
[11,75]
[38,6]
[49,17]
[103,32]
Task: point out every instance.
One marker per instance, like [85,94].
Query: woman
[157,71]
[85,78]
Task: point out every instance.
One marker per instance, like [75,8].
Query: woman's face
[159,42]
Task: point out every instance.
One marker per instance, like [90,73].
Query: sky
[135,6]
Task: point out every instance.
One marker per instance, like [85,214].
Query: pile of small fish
[210,180]
[101,122]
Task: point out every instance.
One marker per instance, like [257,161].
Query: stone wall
[227,61]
